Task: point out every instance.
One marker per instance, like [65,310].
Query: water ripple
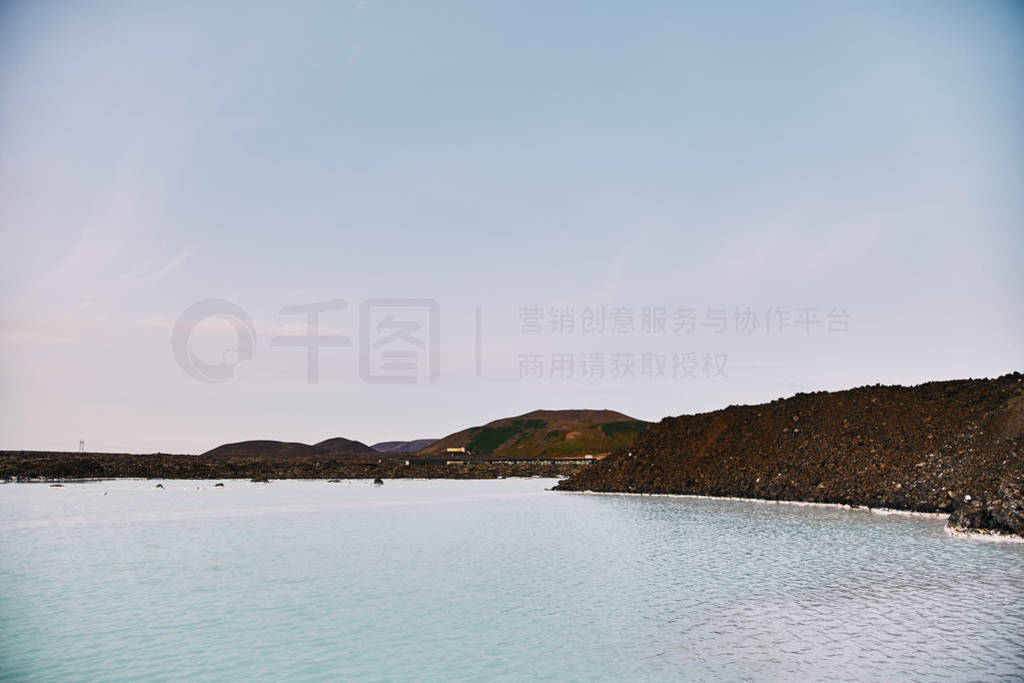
[488,580]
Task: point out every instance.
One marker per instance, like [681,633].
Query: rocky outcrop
[938,447]
[1001,512]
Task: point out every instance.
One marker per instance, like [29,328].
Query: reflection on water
[435,579]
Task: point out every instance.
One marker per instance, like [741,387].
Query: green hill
[545,434]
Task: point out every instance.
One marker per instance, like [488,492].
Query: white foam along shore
[840,506]
[983,535]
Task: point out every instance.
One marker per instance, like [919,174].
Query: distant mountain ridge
[539,434]
[402,446]
[545,434]
[266,448]
[342,445]
[269,448]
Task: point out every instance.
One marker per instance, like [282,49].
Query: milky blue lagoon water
[308,580]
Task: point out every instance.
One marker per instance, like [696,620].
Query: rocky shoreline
[955,448]
[41,466]
[950,447]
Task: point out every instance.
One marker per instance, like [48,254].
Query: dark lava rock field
[42,466]
[954,447]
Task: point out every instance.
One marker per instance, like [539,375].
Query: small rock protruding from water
[56,486]
[219,485]
[159,486]
[378,482]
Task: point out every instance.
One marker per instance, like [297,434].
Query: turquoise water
[487,579]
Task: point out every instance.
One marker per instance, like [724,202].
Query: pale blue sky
[862,155]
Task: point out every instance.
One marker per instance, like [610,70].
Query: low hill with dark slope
[285,449]
[545,434]
[402,446]
[341,445]
[954,446]
[263,449]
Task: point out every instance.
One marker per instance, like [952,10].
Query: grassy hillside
[546,434]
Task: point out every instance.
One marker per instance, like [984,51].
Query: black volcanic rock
[402,446]
[1001,513]
[50,466]
[924,448]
